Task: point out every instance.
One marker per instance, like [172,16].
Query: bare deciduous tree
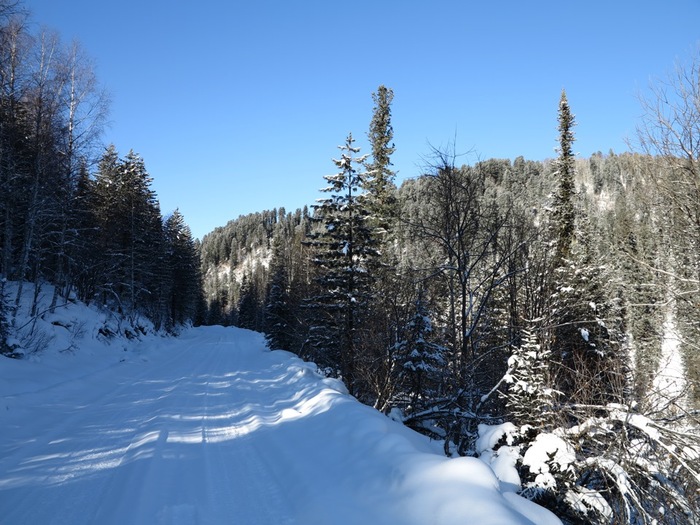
[670,129]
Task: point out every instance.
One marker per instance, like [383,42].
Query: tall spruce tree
[379,181]
[344,254]
[281,317]
[563,216]
[278,314]
[584,322]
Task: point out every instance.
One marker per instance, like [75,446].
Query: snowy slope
[212,428]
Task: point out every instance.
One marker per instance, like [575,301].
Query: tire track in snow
[63,414]
[88,439]
[159,479]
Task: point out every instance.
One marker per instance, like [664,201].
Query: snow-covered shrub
[593,463]
[610,465]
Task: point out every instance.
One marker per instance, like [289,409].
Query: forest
[74,213]
[552,305]
[558,296]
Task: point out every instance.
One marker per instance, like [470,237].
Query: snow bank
[63,343]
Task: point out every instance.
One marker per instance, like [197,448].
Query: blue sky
[239,106]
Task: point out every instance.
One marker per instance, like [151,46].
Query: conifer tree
[530,397]
[83,227]
[379,181]
[247,307]
[344,254]
[279,310]
[588,328]
[184,281]
[131,246]
[584,324]
[563,215]
[421,356]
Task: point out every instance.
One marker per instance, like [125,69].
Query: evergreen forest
[558,296]
[505,307]
[73,213]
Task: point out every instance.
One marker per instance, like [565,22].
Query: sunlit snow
[213,428]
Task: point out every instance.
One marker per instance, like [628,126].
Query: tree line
[541,298]
[73,214]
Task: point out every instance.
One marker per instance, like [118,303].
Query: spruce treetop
[379,182]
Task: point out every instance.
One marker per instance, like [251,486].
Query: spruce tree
[563,215]
[279,310]
[584,325]
[379,181]
[344,254]
[421,356]
[184,281]
[529,398]
[131,248]
[247,305]
[588,327]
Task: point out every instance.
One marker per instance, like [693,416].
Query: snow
[546,454]
[670,385]
[491,435]
[211,428]
[584,500]
[584,333]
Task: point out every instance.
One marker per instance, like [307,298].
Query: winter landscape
[482,340]
[212,427]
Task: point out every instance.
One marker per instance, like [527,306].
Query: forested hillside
[559,296]
[73,213]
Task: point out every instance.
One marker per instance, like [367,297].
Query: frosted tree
[344,252]
[590,359]
[529,395]
[422,359]
[581,326]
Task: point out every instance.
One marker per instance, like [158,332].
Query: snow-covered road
[211,428]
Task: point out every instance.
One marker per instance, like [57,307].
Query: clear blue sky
[239,106]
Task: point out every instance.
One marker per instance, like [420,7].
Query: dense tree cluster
[97,234]
[544,294]
[240,259]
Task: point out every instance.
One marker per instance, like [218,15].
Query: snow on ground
[670,385]
[212,428]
